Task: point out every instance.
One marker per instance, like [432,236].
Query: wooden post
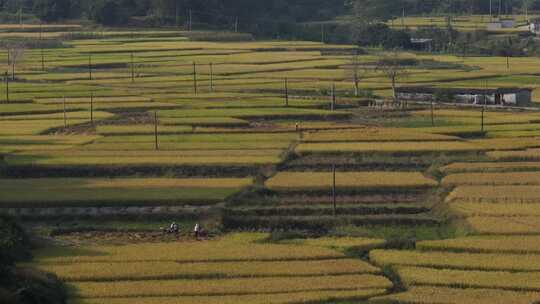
[432,115]
[322,33]
[90,66]
[7,87]
[92,107]
[42,60]
[333,104]
[286,92]
[195,78]
[211,77]
[482,120]
[156,130]
[65,116]
[41,46]
[132,69]
[507,62]
[334,189]
[236,25]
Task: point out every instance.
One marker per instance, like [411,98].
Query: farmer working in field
[173,228]
[197,230]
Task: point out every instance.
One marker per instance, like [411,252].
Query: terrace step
[388,198]
[352,167]
[324,222]
[324,210]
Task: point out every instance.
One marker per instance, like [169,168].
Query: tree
[356,71]
[52,10]
[15,53]
[109,12]
[392,68]
[379,34]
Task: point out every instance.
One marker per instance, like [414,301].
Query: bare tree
[356,71]
[15,53]
[392,67]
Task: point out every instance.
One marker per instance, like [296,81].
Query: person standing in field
[197,230]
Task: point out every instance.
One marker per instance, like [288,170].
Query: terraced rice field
[216,271]
[113,192]
[348,180]
[162,132]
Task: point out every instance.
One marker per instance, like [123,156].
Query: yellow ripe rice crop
[34,127]
[495,194]
[275,298]
[46,140]
[506,143]
[510,134]
[118,160]
[228,287]
[171,270]
[454,260]
[473,117]
[372,134]
[86,153]
[86,100]
[58,116]
[221,250]
[491,166]
[430,295]
[349,180]
[339,243]
[526,155]
[127,183]
[412,276]
[503,178]
[494,244]
[504,225]
[489,209]
[119,191]
[140,129]
[388,147]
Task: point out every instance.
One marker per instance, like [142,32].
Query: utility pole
[195,78]
[403,19]
[490,10]
[132,69]
[156,131]
[236,25]
[42,59]
[333,102]
[176,14]
[211,77]
[92,107]
[322,33]
[65,116]
[334,189]
[507,62]
[41,46]
[432,115]
[90,66]
[484,107]
[7,86]
[286,92]
[190,21]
